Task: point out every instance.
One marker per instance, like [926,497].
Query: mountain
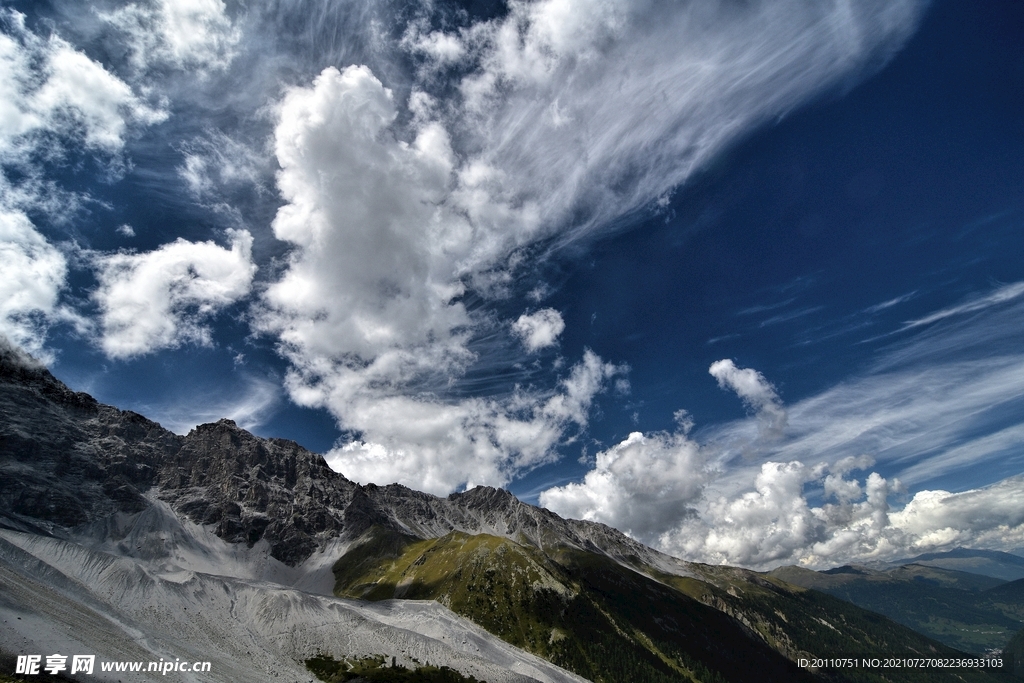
[971,612]
[999,565]
[124,540]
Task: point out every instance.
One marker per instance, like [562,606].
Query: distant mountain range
[999,565]
[121,539]
[969,611]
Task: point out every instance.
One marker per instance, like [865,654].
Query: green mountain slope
[970,612]
[609,622]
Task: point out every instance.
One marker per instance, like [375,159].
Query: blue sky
[741,280]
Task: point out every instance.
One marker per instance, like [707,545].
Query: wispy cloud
[895,301]
[921,415]
[248,400]
[553,128]
[790,315]
[999,296]
[764,308]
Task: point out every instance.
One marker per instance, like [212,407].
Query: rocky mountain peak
[68,460]
[22,369]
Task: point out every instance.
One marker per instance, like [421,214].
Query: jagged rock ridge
[71,460]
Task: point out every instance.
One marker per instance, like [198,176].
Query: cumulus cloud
[660,489]
[369,308]
[163,298]
[52,97]
[984,517]
[562,122]
[755,391]
[439,446]
[644,485]
[34,273]
[378,258]
[814,496]
[539,330]
[775,524]
[48,87]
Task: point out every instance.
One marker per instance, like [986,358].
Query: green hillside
[609,623]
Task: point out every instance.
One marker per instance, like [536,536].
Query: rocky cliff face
[67,460]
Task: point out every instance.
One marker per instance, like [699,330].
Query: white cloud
[643,486]
[775,524]
[34,274]
[656,488]
[188,34]
[1003,294]
[49,87]
[918,416]
[441,49]
[377,266]
[987,517]
[756,393]
[564,122]
[52,96]
[101,102]
[539,330]
[439,446]
[163,298]
[368,308]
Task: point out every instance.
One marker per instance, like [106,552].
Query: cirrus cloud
[814,495]
[400,204]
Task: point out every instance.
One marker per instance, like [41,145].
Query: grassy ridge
[609,623]
[582,612]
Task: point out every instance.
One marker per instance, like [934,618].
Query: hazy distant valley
[121,539]
[971,611]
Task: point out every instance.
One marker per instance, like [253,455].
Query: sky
[742,280]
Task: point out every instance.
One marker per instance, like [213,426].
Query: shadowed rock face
[67,460]
[250,488]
